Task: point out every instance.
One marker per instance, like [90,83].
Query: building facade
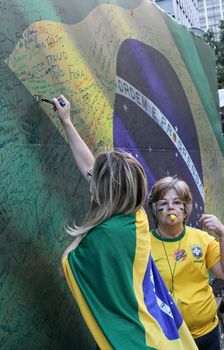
[184,11]
[210,14]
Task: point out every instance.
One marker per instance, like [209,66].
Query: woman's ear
[186,216]
[154,211]
[154,214]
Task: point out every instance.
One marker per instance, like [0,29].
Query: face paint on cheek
[160,209]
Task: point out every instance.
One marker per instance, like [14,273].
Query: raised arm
[212,223]
[81,153]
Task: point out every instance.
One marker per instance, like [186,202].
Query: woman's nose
[170,205]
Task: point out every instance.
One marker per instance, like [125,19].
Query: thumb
[57,104]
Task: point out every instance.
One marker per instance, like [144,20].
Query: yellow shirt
[188,258]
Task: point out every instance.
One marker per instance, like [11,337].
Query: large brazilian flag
[119,290]
[136,80]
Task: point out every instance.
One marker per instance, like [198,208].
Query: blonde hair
[118,186]
[165,184]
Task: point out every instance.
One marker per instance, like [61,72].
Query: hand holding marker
[62,106]
[51,101]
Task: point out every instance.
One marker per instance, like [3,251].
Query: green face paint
[160,209]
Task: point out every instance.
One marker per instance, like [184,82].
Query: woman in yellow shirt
[184,255]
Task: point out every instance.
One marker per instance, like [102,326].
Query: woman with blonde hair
[108,267]
[184,255]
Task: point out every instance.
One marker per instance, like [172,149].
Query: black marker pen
[51,101]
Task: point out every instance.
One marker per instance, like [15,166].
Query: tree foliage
[218,46]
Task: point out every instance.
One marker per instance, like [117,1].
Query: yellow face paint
[172,217]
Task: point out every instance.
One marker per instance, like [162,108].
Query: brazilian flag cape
[120,293]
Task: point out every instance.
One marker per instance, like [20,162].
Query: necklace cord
[172,273]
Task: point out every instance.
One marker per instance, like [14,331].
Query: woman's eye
[163,204]
[177,202]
